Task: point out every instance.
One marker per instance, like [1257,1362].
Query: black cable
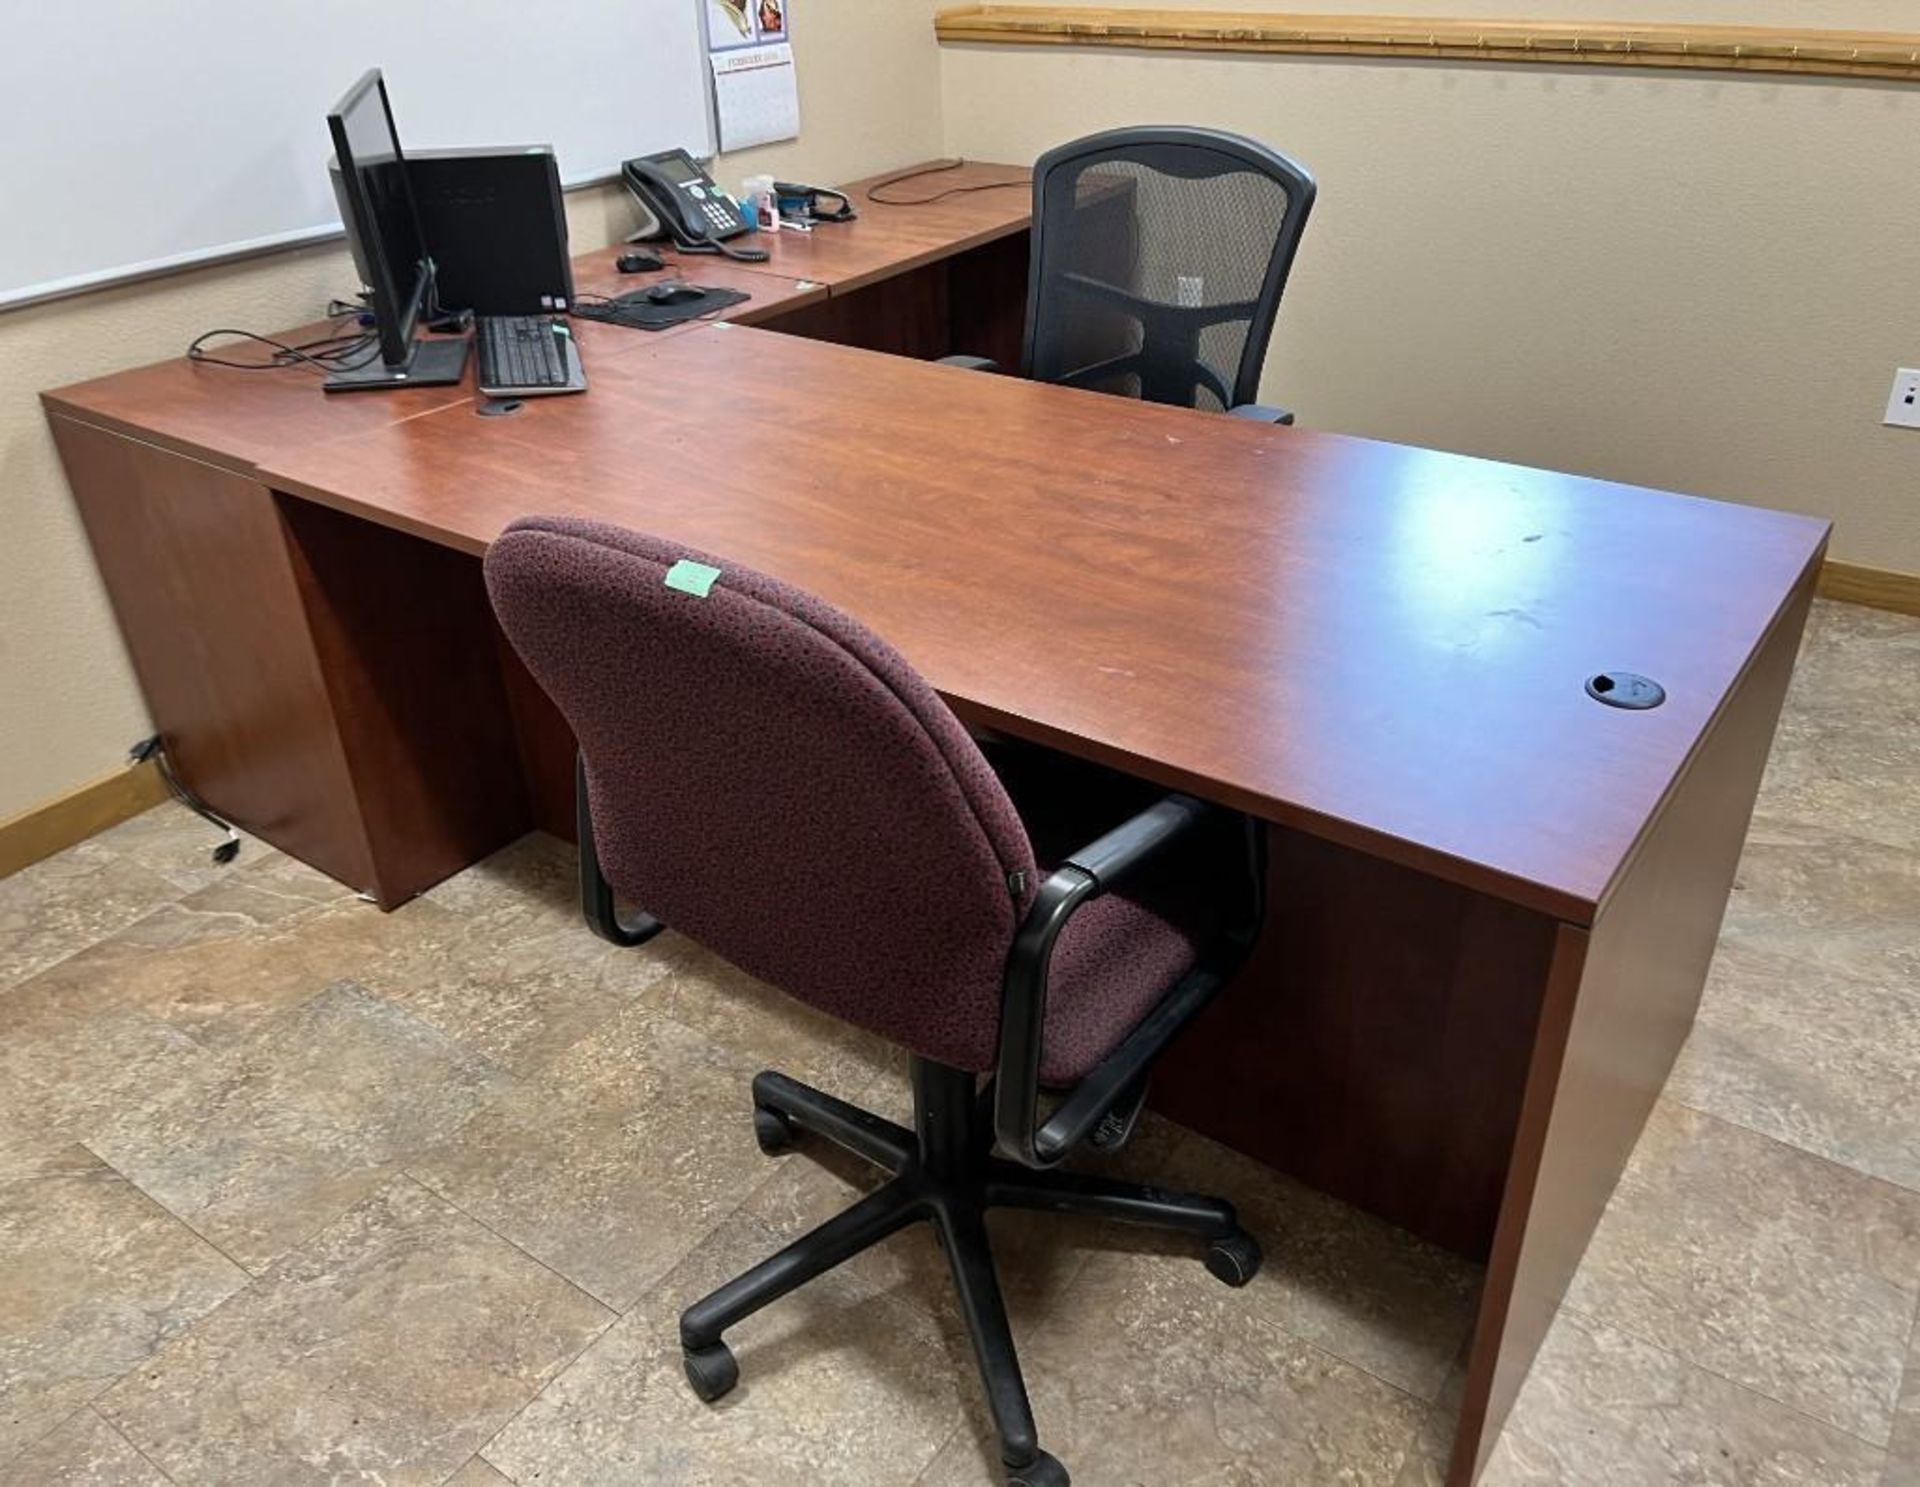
[331,353]
[711,244]
[872,192]
[155,748]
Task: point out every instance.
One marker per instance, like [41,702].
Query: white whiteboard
[139,135]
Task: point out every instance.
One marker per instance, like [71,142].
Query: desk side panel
[196,566]
[905,315]
[547,744]
[987,300]
[405,638]
[1376,1046]
[1620,1003]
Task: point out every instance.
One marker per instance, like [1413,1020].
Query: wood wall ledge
[1873,54]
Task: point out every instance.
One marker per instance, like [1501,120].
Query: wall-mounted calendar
[756,96]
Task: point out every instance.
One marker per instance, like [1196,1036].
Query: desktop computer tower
[494,223]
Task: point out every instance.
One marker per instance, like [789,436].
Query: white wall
[869,81]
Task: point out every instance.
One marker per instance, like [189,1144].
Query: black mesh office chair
[1159,256]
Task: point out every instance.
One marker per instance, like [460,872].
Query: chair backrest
[1159,255]
[770,778]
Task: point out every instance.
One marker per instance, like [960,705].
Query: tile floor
[292,1191]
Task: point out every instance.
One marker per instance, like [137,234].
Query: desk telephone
[682,201]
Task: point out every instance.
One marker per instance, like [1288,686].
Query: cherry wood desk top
[1384,645]
[920,226]
[237,419]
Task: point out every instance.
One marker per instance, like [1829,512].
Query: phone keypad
[719,216]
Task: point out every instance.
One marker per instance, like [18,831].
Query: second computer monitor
[383,227]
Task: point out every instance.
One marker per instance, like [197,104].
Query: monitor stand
[436,363]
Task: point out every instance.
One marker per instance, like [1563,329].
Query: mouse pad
[635,309]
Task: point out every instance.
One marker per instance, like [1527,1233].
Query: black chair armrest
[596,893]
[1110,857]
[971,363]
[1083,877]
[1260,413]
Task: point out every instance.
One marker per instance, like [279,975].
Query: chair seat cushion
[1123,951]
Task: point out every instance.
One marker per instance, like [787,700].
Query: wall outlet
[1903,407]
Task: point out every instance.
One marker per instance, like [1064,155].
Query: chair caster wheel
[1234,1258]
[772,1130]
[1044,1470]
[711,1371]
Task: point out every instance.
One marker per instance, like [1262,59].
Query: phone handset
[682,199]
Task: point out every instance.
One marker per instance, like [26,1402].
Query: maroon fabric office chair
[763,773]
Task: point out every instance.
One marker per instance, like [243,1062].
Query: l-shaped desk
[1494,897]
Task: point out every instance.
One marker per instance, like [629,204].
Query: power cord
[153,748]
[872,193]
[337,352]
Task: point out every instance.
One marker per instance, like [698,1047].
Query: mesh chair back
[769,777]
[1159,256]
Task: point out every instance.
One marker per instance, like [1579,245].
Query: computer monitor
[383,228]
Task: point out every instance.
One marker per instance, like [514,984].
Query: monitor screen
[380,214]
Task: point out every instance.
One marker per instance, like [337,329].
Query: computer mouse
[674,292]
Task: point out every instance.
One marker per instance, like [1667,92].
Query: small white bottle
[756,194]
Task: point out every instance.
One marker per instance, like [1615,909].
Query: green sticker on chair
[692,578]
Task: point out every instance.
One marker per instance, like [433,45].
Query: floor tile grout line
[246,1285]
[245,1269]
[405,1169]
[132,1445]
[619,1314]
[480,1451]
[252,1278]
[1909,1375]
[1819,1156]
[248,1271]
[274,1024]
[60,1424]
[1679,1357]
[939,1450]
[614,1313]
[1898,1189]
[1827,832]
[476,1456]
[119,929]
[88,1406]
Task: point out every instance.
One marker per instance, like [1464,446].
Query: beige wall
[869,84]
[1697,281]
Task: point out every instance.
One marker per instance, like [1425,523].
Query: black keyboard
[521,351]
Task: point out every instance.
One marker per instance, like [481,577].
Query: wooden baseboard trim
[1877,588]
[1818,51]
[45,829]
